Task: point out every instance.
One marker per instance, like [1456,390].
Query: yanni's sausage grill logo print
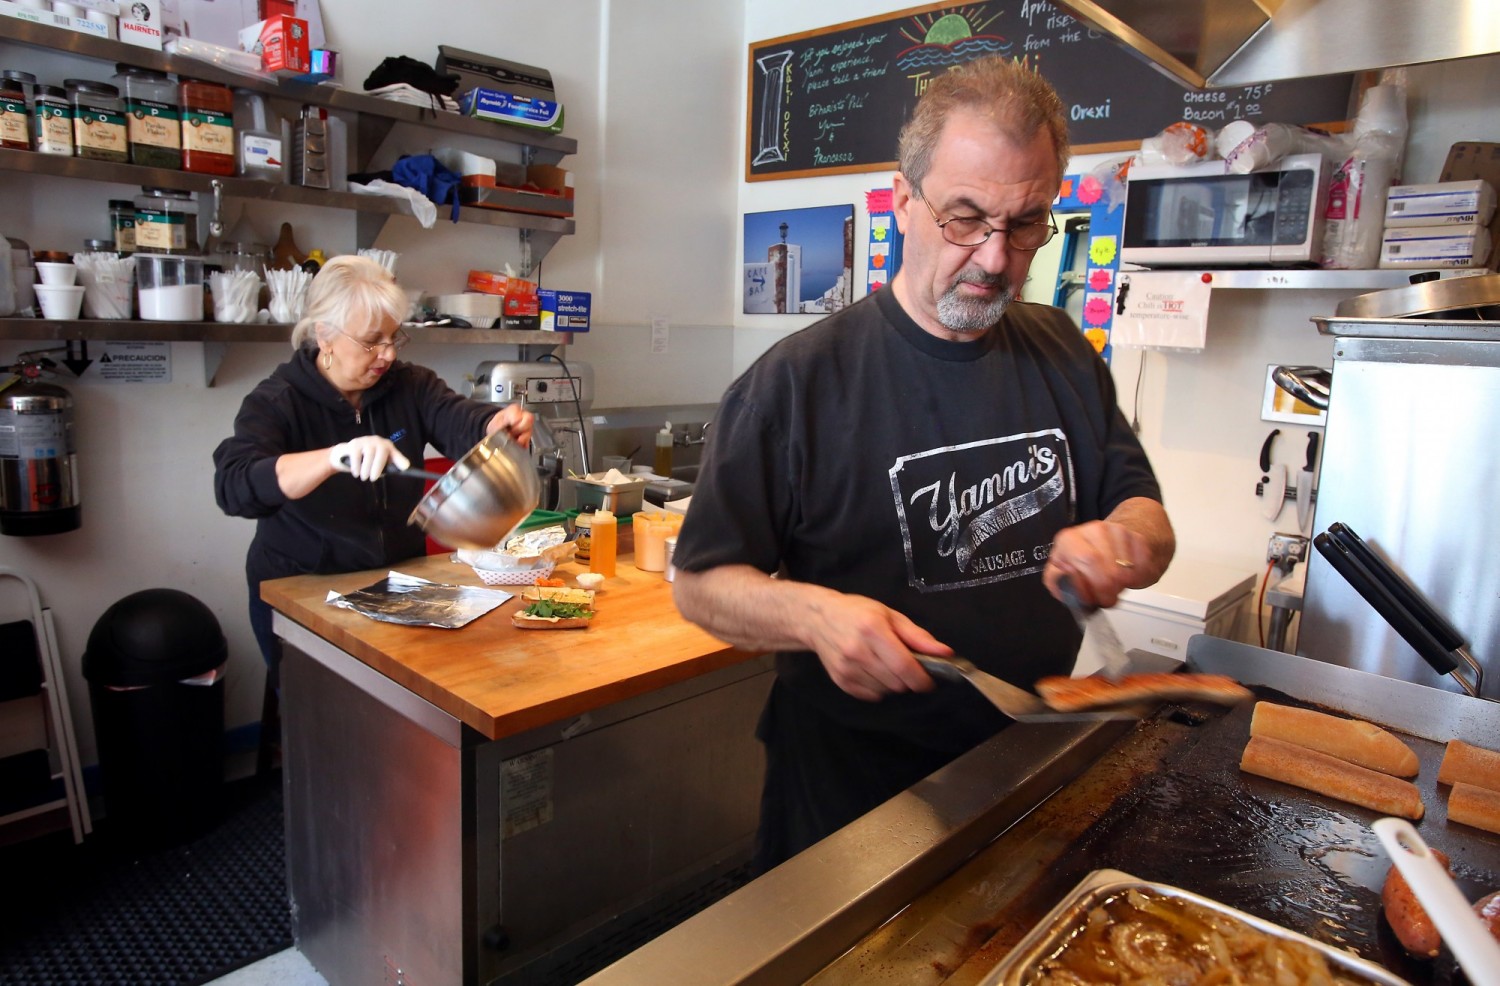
[982,512]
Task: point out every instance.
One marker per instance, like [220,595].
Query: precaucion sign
[135,362]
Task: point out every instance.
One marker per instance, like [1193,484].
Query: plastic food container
[98,121]
[207,128]
[170,289]
[166,221]
[153,119]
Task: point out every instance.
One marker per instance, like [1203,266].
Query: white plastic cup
[60,301]
[55,274]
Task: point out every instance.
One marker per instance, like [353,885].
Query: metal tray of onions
[1113,927]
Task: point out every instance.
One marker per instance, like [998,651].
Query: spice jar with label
[207,128]
[166,221]
[153,120]
[122,224]
[98,121]
[15,110]
[52,115]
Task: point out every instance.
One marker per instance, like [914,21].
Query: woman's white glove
[366,457]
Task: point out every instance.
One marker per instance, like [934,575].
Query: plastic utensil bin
[154,665]
[169,289]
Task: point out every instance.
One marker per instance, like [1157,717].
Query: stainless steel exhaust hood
[1245,42]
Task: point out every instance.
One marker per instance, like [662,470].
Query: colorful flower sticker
[1089,190]
[1102,250]
[879,228]
[1098,338]
[1096,311]
[1099,279]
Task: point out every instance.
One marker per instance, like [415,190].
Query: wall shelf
[1262,279]
[546,148]
[216,336]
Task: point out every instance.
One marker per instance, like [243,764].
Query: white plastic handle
[1471,942]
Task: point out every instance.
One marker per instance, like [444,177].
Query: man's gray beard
[958,313]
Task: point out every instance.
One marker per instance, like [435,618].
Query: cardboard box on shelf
[281,42]
[1435,246]
[141,23]
[1448,203]
[564,311]
[508,107]
[220,21]
[486,71]
[487,282]
[1470,159]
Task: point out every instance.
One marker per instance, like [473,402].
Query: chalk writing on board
[833,100]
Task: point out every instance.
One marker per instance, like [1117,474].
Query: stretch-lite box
[565,311]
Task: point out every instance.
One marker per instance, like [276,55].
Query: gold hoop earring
[328,360]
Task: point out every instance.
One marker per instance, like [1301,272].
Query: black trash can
[155,668]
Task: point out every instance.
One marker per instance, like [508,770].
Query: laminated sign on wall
[1161,310]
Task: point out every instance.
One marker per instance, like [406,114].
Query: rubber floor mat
[107,915]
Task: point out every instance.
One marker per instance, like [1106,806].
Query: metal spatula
[1015,702]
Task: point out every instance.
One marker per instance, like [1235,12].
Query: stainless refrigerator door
[1411,462]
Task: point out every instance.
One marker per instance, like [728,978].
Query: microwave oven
[1201,215]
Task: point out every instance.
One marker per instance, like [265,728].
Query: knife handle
[1312,451]
[1343,560]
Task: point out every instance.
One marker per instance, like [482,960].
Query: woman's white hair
[349,291]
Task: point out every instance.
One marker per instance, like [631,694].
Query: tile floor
[287,968]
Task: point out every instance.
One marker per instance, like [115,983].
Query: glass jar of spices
[166,221]
[52,115]
[15,109]
[98,121]
[153,120]
[207,128]
[122,225]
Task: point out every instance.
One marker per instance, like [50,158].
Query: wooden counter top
[501,680]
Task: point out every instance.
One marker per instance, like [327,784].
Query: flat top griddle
[1169,804]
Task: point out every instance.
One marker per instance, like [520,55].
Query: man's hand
[1128,550]
[865,646]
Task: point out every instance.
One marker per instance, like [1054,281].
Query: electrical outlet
[1286,549]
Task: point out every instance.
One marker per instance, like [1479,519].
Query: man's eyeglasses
[395,344]
[968,231]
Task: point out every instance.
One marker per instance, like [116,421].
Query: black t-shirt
[869,456]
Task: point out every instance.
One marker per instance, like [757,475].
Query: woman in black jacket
[312,441]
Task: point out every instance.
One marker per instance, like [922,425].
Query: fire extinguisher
[38,464]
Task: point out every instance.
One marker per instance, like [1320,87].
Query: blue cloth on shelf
[432,179]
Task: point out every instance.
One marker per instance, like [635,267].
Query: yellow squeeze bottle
[664,452]
[603,541]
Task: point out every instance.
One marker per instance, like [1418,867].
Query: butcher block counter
[495,805]
[500,680]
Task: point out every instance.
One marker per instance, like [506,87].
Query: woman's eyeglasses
[395,343]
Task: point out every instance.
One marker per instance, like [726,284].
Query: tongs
[1430,635]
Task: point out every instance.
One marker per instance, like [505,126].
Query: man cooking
[915,474]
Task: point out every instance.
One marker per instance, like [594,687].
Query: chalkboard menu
[832,101]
